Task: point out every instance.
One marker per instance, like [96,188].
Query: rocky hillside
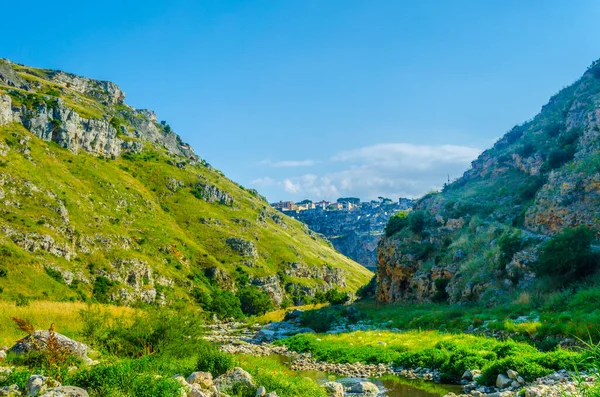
[477,239]
[99,199]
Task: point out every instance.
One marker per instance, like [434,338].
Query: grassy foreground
[138,352]
[452,354]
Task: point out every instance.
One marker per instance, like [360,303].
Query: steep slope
[99,199]
[477,239]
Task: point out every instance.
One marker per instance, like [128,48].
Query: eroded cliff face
[539,178]
[111,128]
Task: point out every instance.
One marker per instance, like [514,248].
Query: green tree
[226,305]
[568,256]
[254,301]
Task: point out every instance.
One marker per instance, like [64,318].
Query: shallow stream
[389,386]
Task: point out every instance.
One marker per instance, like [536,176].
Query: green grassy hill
[99,200]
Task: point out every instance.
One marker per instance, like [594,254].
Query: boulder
[38,384]
[512,374]
[334,389]
[503,381]
[41,338]
[235,377]
[196,391]
[272,394]
[203,379]
[65,391]
[9,391]
[261,391]
[365,388]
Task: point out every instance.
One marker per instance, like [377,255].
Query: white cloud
[391,170]
[288,163]
[266,181]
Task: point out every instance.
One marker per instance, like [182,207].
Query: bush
[160,331]
[417,221]
[368,290]
[100,289]
[226,305]
[3,272]
[254,302]
[396,223]
[318,320]
[568,256]
[509,244]
[212,360]
[336,297]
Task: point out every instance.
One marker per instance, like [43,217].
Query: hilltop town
[353,226]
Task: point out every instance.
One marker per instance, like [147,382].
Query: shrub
[160,331]
[254,301]
[509,244]
[55,274]
[3,272]
[212,360]
[368,290]
[417,221]
[396,223]
[100,289]
[318,320]
[568,256]
[226,305]
[336,297]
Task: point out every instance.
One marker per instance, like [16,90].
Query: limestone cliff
[539,178]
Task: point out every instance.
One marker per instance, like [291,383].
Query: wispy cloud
[288,163]
[392,170]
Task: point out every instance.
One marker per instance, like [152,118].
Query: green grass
[452,354]
[122,209]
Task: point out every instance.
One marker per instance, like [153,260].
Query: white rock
[261,391]
[204,379]
[512,374]
[367,388]
[334,389]
[502,381]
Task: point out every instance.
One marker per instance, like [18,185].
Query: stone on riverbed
[365,389]
[334,389]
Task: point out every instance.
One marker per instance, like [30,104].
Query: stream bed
[389,385]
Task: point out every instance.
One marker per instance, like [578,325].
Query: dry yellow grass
[279,315]
[64,316]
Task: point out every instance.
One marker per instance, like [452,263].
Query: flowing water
[390,386]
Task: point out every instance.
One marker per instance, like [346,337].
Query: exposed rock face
[213,194]
[52,119]
[242,247]
[271,286]
[104,91]
[332,276]
[539,178]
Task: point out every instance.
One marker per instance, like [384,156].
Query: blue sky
[321,99]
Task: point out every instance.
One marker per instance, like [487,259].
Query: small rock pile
[511,384]
[202,384]
[41,386]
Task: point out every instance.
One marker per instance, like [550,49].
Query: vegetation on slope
[147,227]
